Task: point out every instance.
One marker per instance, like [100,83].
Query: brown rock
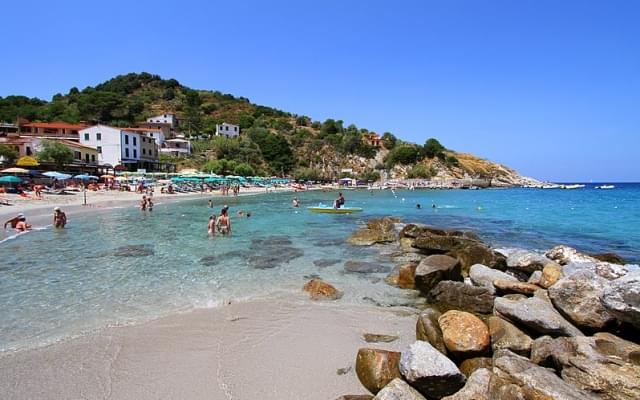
[478,253]
[476,388]
[551,273]
[406,276]
[320,290]
[464,334]
[508,286]
[505,335]
[377,231]
[379,338]
[375,368]
[467,367]
[428,330]
[610,258]
[460,296]
[434,269]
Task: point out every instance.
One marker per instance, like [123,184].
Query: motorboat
[321,209]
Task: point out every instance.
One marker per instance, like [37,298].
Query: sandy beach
[268,349]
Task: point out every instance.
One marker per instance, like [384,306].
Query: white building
[227,130]
[164,119]
[115,146]
[176,147]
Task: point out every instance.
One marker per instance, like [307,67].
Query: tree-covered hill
[272,141]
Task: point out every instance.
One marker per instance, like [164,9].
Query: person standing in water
[224,223]
[211,227]
[59,218]
[149,204]
[143,203]
[210,203]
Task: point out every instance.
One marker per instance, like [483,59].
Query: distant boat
[576,186]
[605,187]
[331,210]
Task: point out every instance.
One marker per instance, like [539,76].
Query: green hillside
[272,141]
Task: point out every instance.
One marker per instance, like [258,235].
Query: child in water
[211,228]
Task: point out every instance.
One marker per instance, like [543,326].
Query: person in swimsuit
[59,218]
[339,201]
[296,203]
[22,225]
[211,227]
[13,221]
[224,223]
[149,204]
[143,203]
[210,203]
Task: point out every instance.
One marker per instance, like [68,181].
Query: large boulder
[434,269]
[415,231]
[320,290]
[380,230]
[429,371]
[464,334]
[476,388]
[460,296]
[505,286]
[622,298]
[574,261]
[482,275]
[477,253]
[375,368]
[578,296]
[505,335]
[536,314]
[609,257]
[428,329]
[526,379]
[603,364]
[527,261]
[398,389]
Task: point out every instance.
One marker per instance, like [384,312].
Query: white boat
[606,187]
[576,186]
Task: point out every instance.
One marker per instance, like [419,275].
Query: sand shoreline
[275,348]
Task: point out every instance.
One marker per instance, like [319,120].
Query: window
[144,151]
[126,152]
[29,152]
[134,141]
[77,155]
[235,129]
[93,158]
[226,128]
[86,136]
[126,139]
[99,148]
[86,157]
[98,136]
[135,153]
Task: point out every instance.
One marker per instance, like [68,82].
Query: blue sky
[551,88]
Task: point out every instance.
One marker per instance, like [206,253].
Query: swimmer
[295,202]
[434,205]
[143,203]
[13,221]
[22,225]
[59,218]
[418,206]
[211,227]
[149,203]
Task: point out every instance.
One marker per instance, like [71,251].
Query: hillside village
[141,122]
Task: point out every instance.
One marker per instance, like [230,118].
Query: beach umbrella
[15,170]
[106,176]
[27,161]
[10,179]
[57,175]
[82,177]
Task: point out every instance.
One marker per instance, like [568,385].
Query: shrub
[421,171]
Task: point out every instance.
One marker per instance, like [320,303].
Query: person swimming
[22,225]
[210,203]
[418,206]
[13,222]
[295,202]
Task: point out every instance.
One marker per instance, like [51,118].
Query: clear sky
[551,88]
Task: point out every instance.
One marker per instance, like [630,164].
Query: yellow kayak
[331,210]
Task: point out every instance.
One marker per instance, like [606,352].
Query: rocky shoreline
[502,323]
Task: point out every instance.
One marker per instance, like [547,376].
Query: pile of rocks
[509,324]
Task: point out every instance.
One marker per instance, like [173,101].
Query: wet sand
[265,349]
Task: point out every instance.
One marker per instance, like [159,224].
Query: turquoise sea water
[124,266]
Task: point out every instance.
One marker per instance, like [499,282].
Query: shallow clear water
[123,266]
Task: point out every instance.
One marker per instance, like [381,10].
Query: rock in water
[476,388]
[529,380]
[478,253]
[469,366]
[460,296]
[464,334]
[434,269]
[622,298]
[406,276]
[398,389]
[612,258]
[377,231]
[484,276]
[320,290]
[603,364]
[326,262]
[505,335]
[375,368]
[364,267]
[527,261]
[428,329]
[514,287]
[536,314]
[429,371]
[378,338]
[578,298]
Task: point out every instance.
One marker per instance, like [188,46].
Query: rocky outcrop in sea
[500,324]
